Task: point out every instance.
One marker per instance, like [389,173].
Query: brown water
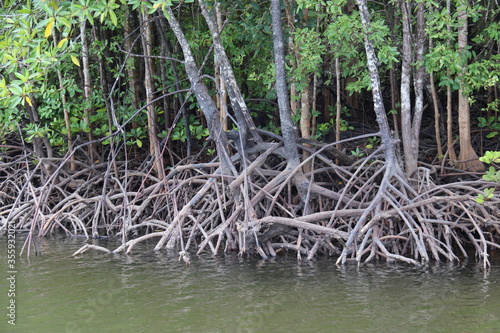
[154,292]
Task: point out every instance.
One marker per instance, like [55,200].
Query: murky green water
[148,292]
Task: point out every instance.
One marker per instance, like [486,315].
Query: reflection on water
[154,292]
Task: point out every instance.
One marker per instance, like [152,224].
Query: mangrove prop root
[358,212]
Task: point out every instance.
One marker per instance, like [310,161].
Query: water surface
[154,292]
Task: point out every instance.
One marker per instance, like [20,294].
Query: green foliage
[248,41]
[492,123]
[325,128]
[491,157]
[135,136]
[357,153]
[488,194]
[309,48]
[483,69]
[198,131]
[345,37]
[373,142]
[31,59]
[492,174]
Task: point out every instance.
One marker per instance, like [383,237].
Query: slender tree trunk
[395,104]
[222,95]
[131,69]
[387,141]
[287,127]
[418,82]
[87,87]
[339,106]
[168,49]
[207,104]
[243,117]
[452,155]
[154,145]
[392,167]
[314,120]
[39,143]
[437,114]
[97,35]
[468,159]
[294,94]
[67,122]
[305,121]
[408,140]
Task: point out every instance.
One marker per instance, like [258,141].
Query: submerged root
[362,212]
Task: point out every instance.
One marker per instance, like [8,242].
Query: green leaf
[21,77]
[113,17]
[16,90]
[480,199]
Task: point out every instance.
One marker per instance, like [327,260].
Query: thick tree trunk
[468,159]
[287,126]
[411,121]
[452,155]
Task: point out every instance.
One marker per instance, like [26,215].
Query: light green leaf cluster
[492,175]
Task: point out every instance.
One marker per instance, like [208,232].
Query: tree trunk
[468,159]
[243,117]
[168,49]
[437,114]
[452,155]
[222,95]
[287,126]
[87,87]
[411,123]
[67,122]
[395,104]
[339,106]
[305,122]
[385,133]
[131,69]
[154,145]
[200,90]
